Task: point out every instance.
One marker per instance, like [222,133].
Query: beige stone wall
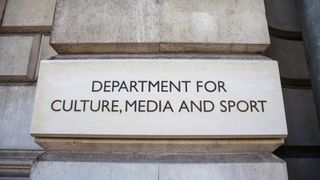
[24,31]
[153,27]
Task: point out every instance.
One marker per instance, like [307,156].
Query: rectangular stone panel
[28,16]
[18,57]
[16,106]
[151,26]
[164,98]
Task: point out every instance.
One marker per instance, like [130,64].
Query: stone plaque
[162,98]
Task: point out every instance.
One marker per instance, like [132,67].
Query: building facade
[224,47]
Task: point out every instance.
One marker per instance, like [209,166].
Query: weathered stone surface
[16,107]
[213,26]
[303,128]
[291,57]
[158,146]
[159,26]
[282,15]
[192,166]
[303,168]
[28,16]
[19,57]
[2,6]
[106,26]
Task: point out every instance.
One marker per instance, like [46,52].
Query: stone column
[309,19]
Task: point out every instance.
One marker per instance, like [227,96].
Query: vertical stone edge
[2,10]
[39,57]
[34,57]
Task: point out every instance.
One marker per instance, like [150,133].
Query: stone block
[16,107]
[28,16]
[106,26]
[19,57]
[303,127]
[213,26]
[2,7]
[151,26]
[160,167]
[291,57]
[282,15]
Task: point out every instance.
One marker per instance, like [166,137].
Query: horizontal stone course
[204,146]
[16,164]
[151,26]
